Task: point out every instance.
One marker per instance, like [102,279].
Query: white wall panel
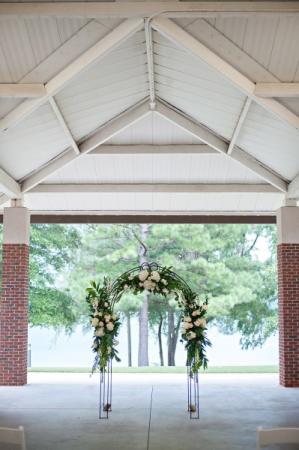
[33,142]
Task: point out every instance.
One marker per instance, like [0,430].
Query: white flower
[106,304]
[131,277]
[205,307]
[110,326]
[187,319]
[141,284]
[164,282]
[101,324]
[95,303]
[155,276]
[165,290]
[187,325]
[143,275]
[149,285]
[100,332]
[100,313]
[196,313]
[191,335]
[126,287]
[107,317]
[94,321]
[114,317]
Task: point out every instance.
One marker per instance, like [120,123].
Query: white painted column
[16,225]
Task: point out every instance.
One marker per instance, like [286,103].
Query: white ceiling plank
[285,90]
[9,186]
[106,132]
[64,125]
[241,120]
[184,40]
[13,90]
[220,145]
[126,9]
[150,61]
[146,149]
[153,187]
[92,55]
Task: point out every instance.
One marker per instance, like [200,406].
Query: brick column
[14,298]
[288,293]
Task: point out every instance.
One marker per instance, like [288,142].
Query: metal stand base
[105,401]
[193,394]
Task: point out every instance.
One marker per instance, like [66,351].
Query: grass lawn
[157,369]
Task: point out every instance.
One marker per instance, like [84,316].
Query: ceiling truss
[38,94]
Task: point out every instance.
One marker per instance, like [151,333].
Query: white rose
[100,313]
[131,277]
[107,317]
[191,335]
[203,322]
[155,276]
[149,285]
[106,304]
[196,313]
[101,324]
[141,284]
[197,323]
[165,290]
[164,282]
[126,287]
[143,275]
[187,319]
[110,326]
[114,317]
[94,321]
[186,325]
[100,332]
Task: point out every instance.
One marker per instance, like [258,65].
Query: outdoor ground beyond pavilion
[147,111]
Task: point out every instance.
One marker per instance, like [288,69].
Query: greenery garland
[156,280]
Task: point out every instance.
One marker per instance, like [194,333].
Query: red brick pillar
[288,293]
[14,298]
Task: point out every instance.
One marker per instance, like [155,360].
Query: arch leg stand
[193,394]
[105,400]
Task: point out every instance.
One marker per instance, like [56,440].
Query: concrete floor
[59,411]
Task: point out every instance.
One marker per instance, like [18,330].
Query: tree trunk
[143,313]
[172,335]
[160,341]
[129,339]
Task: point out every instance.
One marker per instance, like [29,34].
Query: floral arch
[157,280]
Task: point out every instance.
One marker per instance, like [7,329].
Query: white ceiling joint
[129,9]
[64,125]
[103,134]
[187,42]
[21,90]
[9,186]
[241,120]
[102,48]
[155,188]
[150,62]
[293,190]
[220,145]
[270,90]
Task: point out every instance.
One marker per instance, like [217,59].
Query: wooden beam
[199,149]
[64,125]
[240,122]
[22,90]
[184,40]
[269,90]
[142,9]
[108,43]
[107,131]
[154,188]
[9,186]
[220,145]
[293,190]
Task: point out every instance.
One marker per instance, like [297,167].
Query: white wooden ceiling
[163,112]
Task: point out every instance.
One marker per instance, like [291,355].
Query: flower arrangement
[105,322]
[156,280]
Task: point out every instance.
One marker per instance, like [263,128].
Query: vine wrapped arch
[157,280]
